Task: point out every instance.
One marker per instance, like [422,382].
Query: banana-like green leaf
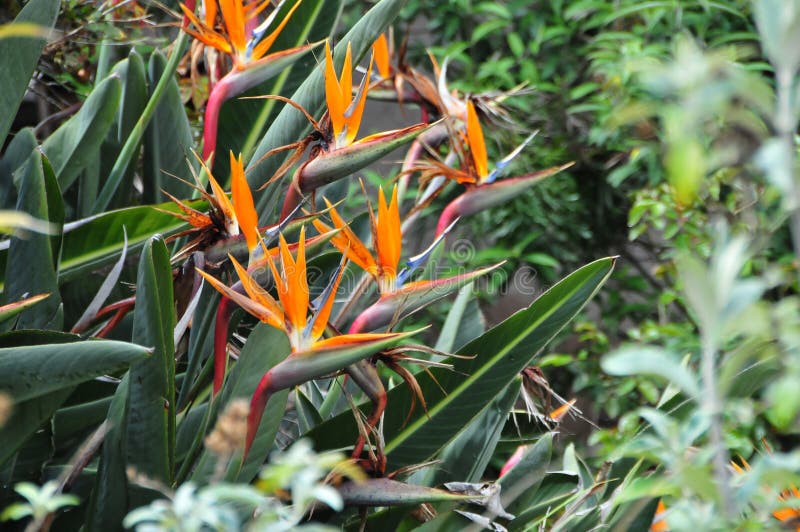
[76,420]
[19,55]
[129,148]
[151,413]
[108,503]
[17,153]
[499,355]
[41,377]
[98,240]
[131,72]
[30,266]
[553,492]
[76,143]
[461,316]
[167,141]
[521,483]
[27,372]
[28,417]
[465,458]
[290,125]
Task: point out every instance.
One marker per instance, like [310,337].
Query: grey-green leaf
[75,144]
[18,59]
[151,417]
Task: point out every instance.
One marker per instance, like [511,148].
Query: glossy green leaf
[465,458]
[98,240]
[27,417]
[27,372]
[151,416]
[129,148]
[290,125]
[131,72]
[18,58]
[499,355]
[76,143]
[554,491]
[521,483]
[39,197]
[167,141]
[453,323]
[17,153]
[108,503]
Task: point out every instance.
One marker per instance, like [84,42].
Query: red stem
[224,313]
[257,404]
[211,120]
[113,322]
[292,200]
[450,213]
[189,4]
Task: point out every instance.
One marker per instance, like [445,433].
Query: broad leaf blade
[76,143]
[499,355]
[27,372]
[98,240]
[167,141]
[109,500]
[151,417]
[18,59]
[30,266]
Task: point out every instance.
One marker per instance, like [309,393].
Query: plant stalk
[786,124]
[714,408]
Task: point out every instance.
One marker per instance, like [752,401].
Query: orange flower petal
[349,339]
[274,314]
[389,239]
[321,319]
[266,43]
[210,7]
[477,144]
[333,94]
[354,120]
[561,411]
[243,205]
[222,200]
[245,302]
[205,34]
[346,79]
[659,523]
[380,50]
[348,243]
[233,15]
[295,304]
